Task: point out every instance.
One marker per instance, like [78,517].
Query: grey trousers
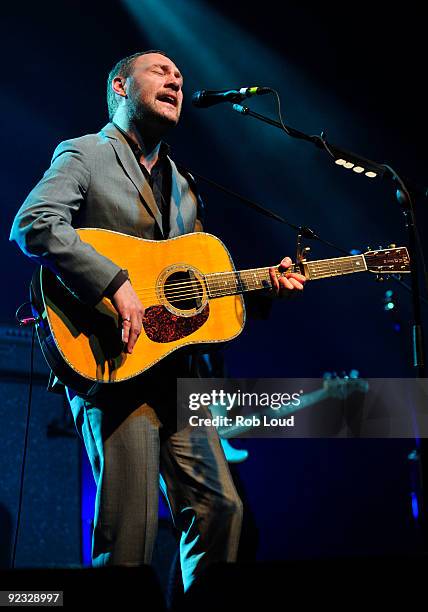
[133,449]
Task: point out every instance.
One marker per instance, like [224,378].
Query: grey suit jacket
[95,181]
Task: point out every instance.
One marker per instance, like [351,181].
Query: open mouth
[168,99]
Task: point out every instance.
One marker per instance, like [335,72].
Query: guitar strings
[220,283]
[236,280]
[322,268]
[233,276]
[209,281]
[187,288]
[198,294]
[190,289]
[210,277]
[195,291]
[215,286]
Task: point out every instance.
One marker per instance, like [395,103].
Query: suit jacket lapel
[132,169]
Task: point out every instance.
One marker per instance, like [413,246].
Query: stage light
[388,300]
[358,169]
[415,505]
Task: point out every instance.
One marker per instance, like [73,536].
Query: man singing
[123,179]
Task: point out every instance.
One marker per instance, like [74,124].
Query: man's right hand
[131,313]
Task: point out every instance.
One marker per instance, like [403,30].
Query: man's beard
[142,115]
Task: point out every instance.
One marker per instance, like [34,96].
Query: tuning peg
[369,248]
[380,248]
[379,278]
[392,246]
[397,276]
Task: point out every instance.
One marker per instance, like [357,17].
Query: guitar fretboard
[240,281]
[336,267]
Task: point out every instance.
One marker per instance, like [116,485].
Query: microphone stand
[335,151]
[418,458]
[406,204]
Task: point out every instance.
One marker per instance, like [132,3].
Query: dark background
[355,71]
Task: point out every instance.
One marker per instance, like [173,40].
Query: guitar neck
[241,281]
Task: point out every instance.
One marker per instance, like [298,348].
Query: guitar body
[83,343]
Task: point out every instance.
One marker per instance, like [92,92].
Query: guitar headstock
[394,260]
[342,387]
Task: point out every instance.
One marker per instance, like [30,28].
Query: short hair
[123,68]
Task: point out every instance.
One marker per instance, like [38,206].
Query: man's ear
[119,86]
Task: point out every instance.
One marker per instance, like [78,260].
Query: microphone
[206,98]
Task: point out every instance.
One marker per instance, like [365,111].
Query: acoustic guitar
[191,292]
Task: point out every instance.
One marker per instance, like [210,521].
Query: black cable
[278,103]
[320,140]
[27,320]
[24,456]
[323,140]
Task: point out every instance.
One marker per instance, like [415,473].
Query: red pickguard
[161,325]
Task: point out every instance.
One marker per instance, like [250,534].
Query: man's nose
[173,83]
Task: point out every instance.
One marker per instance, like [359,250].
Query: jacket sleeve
[43,226]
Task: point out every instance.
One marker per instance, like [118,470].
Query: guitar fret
[336,266]
[230,283]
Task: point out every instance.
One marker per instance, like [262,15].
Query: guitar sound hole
[183,290]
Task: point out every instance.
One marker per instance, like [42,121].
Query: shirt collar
[164,148]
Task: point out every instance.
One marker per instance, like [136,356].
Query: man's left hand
[285,285]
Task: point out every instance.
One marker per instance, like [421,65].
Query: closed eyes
[164,70]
